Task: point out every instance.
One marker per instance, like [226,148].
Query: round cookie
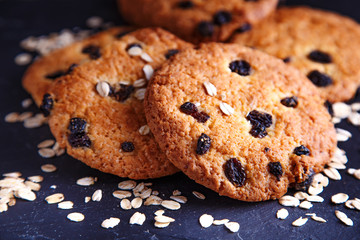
[323,45]
[42,73]
[197,20]
[239,121]
[96,112]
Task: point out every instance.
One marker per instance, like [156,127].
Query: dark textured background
[38,220]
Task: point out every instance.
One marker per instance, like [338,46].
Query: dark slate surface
[38,220]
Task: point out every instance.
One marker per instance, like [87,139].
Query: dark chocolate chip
[222,17]
[46,104]
[244,28]
[171,53]
[133,45]
[55,75]
[185,4]
[329,107]
[302,150]
[320,57]
[290,102]
[319,79]
[79,140]
[77,126]
[287,59]
[241,67]
[93,51]
[259,121]
[206,29]
[275,168]
[188,108]
[191,109]
[203,144]
[127,146]
[235,172]
[123,93]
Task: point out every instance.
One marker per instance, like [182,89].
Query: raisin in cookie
[323,45]
[197,20]
[42,73]
[96,112]
[239,121]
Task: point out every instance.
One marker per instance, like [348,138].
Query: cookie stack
[146,104]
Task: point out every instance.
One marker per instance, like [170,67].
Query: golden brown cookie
[96,112]
[42,73]
[197,20]
[323,45]
[239,121]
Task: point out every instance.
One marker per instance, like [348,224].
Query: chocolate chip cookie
[323,45]
[239,121]
[96,111]
[42,73]
[197,20]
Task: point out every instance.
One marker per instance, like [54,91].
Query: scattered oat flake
[46,143]
[198,195]
[299,222]
[289,201]
[176,193]
[155,193]
[66,205]
[357,174]
[332,173]
[148,71]
[220,222]
[163,219]
[301,195]
[26,102]
[351,171]
[85,181]
[127,185]
[94,22]
[110,222]
[25,115]
[344,218]
[305,205]
[146,193]
[76,217]
[12,202]
[12,174]
[48,168]
[159,212]
[103,88]
[53,186]
[121,194]
[26,194]
[232,226]
[97,196]
[341,110]
[315,198]
[139,83]
[140,93]
[169,204]
[355,107]
[139,187]
[136,202]
[134,51]
[33,186]
[153,200]
[161,225]
[23,59]
[206,220]
[137,218]
[87,199]
[144,130]
[336,165]
[125,204]
[226,108]
[210,89]
[144,56]
[46,152]
[33,122]
[3,207]
[12,117]
[354,118]
[282,213]
[318,219]
[339,198]
[180,199]
[55,198]
[315,190]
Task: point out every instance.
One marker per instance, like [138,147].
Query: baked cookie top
[323,45]
[96,112]
[197,20]
[239,121]
[42,73]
